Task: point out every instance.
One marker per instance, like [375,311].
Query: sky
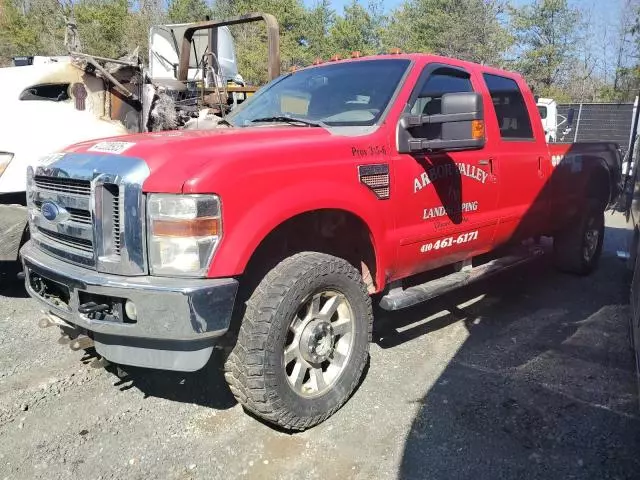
[603,15]
[608,8]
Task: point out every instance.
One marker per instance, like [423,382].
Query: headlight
[184,231]
[5,159]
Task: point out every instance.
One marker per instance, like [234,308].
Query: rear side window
[513,117]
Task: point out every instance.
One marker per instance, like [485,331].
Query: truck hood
[177,157]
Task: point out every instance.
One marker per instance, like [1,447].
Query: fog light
[130,310]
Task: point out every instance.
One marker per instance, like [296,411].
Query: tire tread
[246,367]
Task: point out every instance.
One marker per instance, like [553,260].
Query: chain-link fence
[607,122]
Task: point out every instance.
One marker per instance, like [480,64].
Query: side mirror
[461,125]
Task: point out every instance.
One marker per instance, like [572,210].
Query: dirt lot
[529,375]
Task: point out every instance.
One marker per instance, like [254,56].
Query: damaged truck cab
[386,179]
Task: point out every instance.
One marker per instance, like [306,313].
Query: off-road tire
[569,245]
[254,370]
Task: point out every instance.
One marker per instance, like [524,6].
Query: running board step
[399,298]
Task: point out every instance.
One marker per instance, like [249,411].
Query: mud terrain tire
[258,370]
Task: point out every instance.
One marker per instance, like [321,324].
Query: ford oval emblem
[54,212]
[49,211]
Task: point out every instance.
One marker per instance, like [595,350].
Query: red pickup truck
[380,180]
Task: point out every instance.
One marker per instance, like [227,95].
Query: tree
[319,21]
[356,30]
[471,30]
[102,26]
[183,11]
[251,38]
[546,33]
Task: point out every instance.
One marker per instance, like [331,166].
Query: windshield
[340,94]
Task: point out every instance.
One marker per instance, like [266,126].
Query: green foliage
[36,30]
[355,30]
[468,29]
[546,32]
[100,26]
[184,11]
[319,20]
[542,39]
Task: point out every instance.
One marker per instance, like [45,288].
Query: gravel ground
[529,375]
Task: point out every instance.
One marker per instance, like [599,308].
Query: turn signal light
[195,227]
[477,129]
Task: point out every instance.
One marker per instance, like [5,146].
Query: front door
[444,202]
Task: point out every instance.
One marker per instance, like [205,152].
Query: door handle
[540,171]
[487,162]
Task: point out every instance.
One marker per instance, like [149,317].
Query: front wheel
[577,249]
[303,343]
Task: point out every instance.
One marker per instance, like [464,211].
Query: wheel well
[600,186]
[331,231]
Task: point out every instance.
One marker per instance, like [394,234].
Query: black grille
[80,216]
[63,185]
[78,243]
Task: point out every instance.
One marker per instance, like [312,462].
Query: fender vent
[376,177]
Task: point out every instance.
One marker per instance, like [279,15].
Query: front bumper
[13,221]
[177,319]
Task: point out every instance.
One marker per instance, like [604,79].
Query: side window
[542,111]
[513,117]
[429,100]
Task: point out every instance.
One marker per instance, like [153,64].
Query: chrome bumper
[177,319]
[13,221]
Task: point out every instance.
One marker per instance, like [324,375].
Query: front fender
[244,230]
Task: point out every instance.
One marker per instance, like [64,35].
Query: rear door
[444,202]
[521,151]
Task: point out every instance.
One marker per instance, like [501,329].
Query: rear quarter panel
[576,168]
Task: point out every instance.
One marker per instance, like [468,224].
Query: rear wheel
[303,343]
[578,248]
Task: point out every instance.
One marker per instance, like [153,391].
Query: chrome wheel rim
[591,238]
[319,343]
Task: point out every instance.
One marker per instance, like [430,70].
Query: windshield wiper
[287,119]
[224,121]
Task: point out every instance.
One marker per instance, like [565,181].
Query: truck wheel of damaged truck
[304,341]
[578,248]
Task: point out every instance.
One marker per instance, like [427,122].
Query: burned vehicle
[191,82]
